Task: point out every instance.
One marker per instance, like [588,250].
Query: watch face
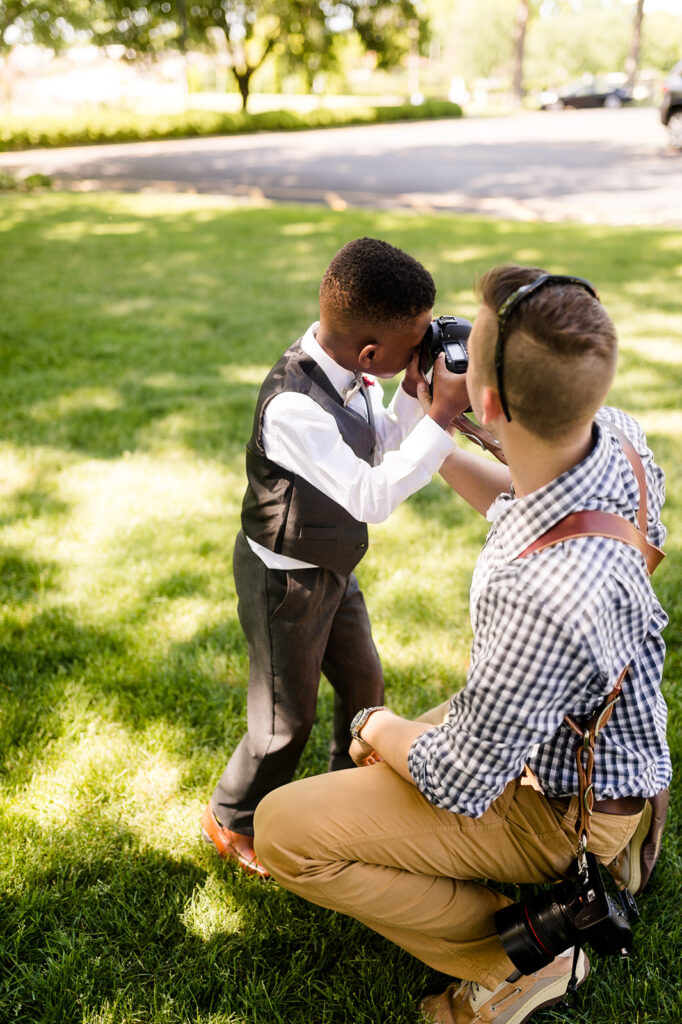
[360,719]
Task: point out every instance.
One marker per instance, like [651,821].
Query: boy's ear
[491,405]
[366,357]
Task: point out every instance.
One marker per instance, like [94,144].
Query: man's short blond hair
[560,351]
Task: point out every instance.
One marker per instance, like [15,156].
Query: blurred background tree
[50,23]
[300,32]
[511,48]
[525,45]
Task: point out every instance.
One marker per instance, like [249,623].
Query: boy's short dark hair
[371,281]
[559,355]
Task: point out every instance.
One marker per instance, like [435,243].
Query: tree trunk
[243,81]
[632,61]
[243,78]
[519,40]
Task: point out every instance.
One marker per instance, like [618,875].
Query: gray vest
[281,510]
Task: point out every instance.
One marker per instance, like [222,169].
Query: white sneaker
[512,1002]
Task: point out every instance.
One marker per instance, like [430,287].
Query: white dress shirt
[304,439]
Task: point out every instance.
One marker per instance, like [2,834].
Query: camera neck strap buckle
[584,757]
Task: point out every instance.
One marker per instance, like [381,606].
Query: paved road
[589,166]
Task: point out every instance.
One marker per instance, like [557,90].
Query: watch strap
[360,720]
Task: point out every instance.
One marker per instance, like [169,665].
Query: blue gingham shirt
[552,632]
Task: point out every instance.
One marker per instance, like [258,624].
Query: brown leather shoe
[231,845]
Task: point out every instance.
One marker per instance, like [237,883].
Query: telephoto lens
[535,930]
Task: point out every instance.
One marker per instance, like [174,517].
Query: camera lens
[534,931]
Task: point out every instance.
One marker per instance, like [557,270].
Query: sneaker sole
[634,882]
[551,995]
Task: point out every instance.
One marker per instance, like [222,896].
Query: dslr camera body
[535,930]
[447,334]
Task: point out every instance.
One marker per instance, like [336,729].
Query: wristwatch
[360,720]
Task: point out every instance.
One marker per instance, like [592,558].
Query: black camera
[535,930]
[447,334]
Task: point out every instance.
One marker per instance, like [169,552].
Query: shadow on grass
[141,419]
[105,928]
[154,316]
[157,328]
[32,503]
[59,675]
[24,579]
[43,657]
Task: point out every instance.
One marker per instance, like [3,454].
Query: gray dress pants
[298,624]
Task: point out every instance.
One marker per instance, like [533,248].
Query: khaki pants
[368,844]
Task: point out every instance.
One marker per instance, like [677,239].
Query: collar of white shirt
[338,376]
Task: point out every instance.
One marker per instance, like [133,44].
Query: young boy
[402,845]
[325,458]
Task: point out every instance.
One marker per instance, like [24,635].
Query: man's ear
[366,357]
[491,407]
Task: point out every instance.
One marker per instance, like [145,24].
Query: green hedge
[10,183]
[29,133]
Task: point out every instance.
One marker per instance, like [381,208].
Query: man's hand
[393,736]
[363,753]
[450,396]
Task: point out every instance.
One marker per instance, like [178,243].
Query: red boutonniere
[367,382]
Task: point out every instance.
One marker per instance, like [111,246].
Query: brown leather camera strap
[600,524]
[594,523]
[584,755]
[479,435]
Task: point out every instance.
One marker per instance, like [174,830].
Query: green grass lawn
[134,334]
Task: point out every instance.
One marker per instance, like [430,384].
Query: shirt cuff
[428,444]
[405,407]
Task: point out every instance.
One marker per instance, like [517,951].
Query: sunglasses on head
[511,303]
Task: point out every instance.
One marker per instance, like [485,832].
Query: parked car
[587,94]
[671,107]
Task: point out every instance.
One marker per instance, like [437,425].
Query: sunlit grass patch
[135,334]
[211,911]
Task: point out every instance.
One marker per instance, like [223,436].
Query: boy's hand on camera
[363,754]
[450,396]
[424,396]
[412,377]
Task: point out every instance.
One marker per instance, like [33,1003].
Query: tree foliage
[251,31]
[520,44]
[48,22]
